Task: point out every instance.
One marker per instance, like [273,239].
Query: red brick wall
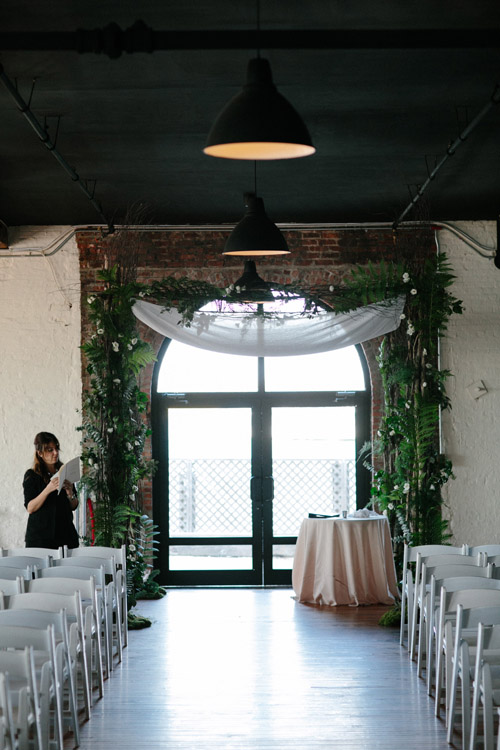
[317,256]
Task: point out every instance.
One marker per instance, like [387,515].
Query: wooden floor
[251,668]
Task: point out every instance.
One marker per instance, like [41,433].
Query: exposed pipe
[483,250]
[24,108]
[450,151]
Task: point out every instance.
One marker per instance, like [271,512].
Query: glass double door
[237,475]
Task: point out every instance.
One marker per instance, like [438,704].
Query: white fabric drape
[255,336]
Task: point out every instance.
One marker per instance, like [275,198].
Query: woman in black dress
[50,522]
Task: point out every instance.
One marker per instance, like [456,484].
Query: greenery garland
[408,469]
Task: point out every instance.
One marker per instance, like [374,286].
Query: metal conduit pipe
[49,145]
[450,151]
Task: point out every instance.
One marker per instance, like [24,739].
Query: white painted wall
[40,366]
[471,350]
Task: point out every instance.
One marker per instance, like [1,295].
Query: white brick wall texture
[40,365]
[471,350]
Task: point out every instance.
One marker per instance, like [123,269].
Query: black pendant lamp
[251,288]
[259,123]
[255,234]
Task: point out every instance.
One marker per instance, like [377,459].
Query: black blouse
[52,524]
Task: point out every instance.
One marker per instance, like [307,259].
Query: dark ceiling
[384,88]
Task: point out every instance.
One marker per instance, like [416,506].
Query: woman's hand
[53,484]
[68,487]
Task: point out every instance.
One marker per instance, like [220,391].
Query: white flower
[424,384]
[116,346]
[379,433]
[331,288]
[390,506]
[90,461]
[135,488]
[142,294]
[110,429]
[413,291]
[406,277]
[93,336]
[131,547]
[428,366]
[238,289]
[132,497]
[406,488]
[407,405]
[100,331]
[136,442]
[431,487]
[228,290]
[129,347]
[396,486]
[392,433]
[129,447]
[424,352]
[402,316]
[90,300]
[117,381]
[134,341]
[410,330]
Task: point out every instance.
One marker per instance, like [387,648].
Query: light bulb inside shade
[255,151]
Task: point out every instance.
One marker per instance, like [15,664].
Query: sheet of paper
[69,471]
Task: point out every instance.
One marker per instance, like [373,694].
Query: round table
[344,561]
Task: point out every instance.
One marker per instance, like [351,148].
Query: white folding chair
[8,738]
[409,580]
[93,607]
[65,636]
[107,580]
[42,552]
[427,599]
[11,586]
[84,641]
[119,555]
[49,677]
[487,549]
[486,691]
[13,573]
[446,611]
[20,667]
[460,665]
[32,564]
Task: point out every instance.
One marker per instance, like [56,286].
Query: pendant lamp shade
[255,234]
[250,287]
[259,123]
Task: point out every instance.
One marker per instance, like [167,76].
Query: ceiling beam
[111,40]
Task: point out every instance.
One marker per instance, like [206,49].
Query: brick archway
[318,256]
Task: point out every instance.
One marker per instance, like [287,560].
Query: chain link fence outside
[211,497]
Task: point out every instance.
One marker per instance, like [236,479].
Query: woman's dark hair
[41,441]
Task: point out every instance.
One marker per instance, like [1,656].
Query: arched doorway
[246,447]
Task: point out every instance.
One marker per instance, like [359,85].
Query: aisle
[231,669]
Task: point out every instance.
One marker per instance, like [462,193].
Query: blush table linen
[341,561]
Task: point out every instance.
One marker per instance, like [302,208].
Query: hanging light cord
[258,28]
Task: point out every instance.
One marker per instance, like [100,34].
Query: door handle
[262,488]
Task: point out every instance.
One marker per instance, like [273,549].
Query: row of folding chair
[65,577]
[28,562]
[88,592]
[452,590]
[412,558]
